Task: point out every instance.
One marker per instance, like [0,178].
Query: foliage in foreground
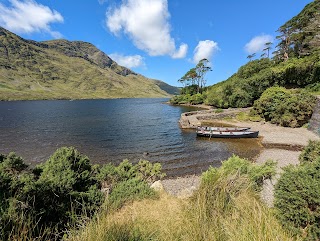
[297,194]
[44,202]
[226,207]
[311,152]
[285,107]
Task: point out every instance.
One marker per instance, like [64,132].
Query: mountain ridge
[62,69]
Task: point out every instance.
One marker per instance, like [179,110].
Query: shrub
[149,172]
[64,187]
[196,99]
[143,170]
[311,152]
[191,90]
[42,203]
[11,178]
[180,99]
[297,199]
[284,107]
[255,173]
[129,190]
[297,194]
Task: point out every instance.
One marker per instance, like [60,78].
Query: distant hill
[295,64]
[61,69]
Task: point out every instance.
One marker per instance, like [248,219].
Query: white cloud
[181,52]
[257,44]
[28,16]
[129,61]
[205,50]
[146,23]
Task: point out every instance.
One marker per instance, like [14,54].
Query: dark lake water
[113,130]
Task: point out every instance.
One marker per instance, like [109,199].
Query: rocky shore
[281,144]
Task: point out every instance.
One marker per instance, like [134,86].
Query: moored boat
[214,128]
[228,134]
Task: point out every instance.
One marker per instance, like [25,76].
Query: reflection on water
[112,130]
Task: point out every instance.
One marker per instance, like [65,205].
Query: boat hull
[249,134]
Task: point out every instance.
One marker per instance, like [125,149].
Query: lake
[113,130]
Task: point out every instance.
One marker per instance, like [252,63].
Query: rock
[157,185]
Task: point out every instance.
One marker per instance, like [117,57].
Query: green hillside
[60,69]
[295,64]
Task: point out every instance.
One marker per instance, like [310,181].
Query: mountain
[61,69]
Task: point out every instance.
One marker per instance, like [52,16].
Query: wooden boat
[228,134]
[213,128]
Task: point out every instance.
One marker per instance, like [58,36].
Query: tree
[267,49]
[201,69]
[300,35]
[190,77]
[250,56]
[196,76]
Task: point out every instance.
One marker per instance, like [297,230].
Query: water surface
[113,130]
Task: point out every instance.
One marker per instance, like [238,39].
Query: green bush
[311,152]
[12,177]
[285,107]
[60,190]
[255,173]
[297,199]
[191,90]
[196,99]
[297,194]
[143,170]
[129,190]
[42,203]
[180,99]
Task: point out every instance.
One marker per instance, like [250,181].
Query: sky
[160,39]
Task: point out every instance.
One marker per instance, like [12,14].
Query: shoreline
[85,98]
[272,136]
[281,144]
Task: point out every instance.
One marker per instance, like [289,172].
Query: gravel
[181,187]
[283,158]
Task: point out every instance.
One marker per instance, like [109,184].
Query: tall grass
[229,209]
[25,228]
[225,207]
[160,219]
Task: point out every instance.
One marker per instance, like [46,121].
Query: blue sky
[161,39]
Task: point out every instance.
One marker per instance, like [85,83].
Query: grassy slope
[31,70]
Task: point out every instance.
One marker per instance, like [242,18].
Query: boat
[228,134]
[214,128]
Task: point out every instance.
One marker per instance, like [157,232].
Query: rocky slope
[61,69]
